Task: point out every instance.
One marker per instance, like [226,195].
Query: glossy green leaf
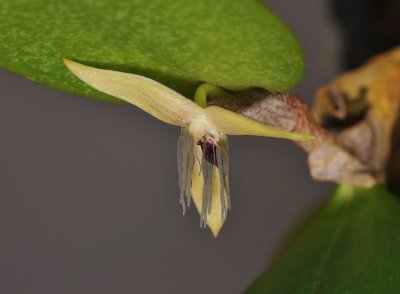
[231,44]
[352,247]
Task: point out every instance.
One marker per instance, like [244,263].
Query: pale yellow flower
[203,154]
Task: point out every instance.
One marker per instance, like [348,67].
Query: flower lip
[209,148]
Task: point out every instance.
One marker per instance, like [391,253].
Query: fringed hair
[215,157]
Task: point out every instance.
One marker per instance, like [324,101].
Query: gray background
[89,195]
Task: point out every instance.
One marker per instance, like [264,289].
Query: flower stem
[204,90]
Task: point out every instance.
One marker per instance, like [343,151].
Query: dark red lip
[209,150]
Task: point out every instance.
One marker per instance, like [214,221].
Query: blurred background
[89,194]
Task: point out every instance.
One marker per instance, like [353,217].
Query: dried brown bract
[328,160]
[353,121]
[363,106]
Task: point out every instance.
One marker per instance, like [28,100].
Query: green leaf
[352,247]
[231,44]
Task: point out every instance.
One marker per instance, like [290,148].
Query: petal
[214,218]
[186,159]
[232,123]
[147,94]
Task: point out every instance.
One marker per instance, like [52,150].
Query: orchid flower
[203,154]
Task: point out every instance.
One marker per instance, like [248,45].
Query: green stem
[204,90]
